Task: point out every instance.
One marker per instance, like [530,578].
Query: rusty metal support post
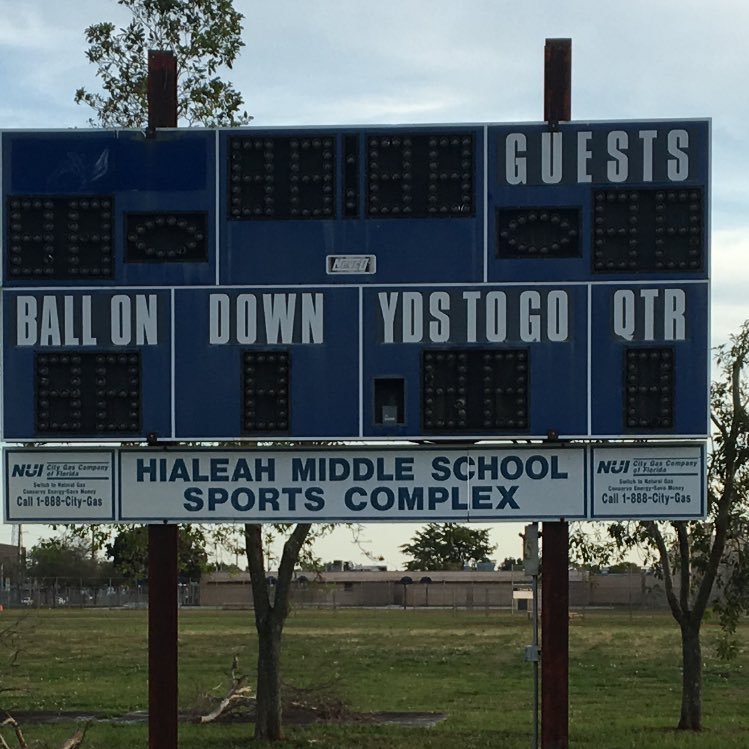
[162,89]
[555,560]
[558,80]
[162,539]
[162,637]
[555,637]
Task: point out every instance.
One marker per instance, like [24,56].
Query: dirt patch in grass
[298,715]
[301,707]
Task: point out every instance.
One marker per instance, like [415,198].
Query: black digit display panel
[648,230]
[538,232]
[649,384]
[59,238]
[166,237]
[407,175]
[282,177]
[351,176]
[88,393]
[266,390]
[420,175]
[475,390]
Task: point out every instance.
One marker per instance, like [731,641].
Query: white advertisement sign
[352,486]
[47,486]
[633,482]
[485,484]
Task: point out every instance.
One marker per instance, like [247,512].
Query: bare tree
[697,559]
[271,606]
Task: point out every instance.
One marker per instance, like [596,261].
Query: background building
[463,589]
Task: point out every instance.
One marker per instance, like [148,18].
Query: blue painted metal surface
[361,256]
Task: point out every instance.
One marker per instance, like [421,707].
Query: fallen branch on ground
[237,696]
[10,721]
[74,742]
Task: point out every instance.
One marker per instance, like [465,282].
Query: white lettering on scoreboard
[512,314]
[620,165]
[69,320]
[486,315]
[476,315]
[650,314]
[267,318]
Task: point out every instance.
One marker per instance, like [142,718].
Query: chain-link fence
[636,590]
[85,593]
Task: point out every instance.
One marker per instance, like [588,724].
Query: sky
[334,62]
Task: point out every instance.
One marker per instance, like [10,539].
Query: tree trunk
[691,685]
[269,621]
[268,718]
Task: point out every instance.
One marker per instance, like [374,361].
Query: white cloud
[26,28]
[730,284]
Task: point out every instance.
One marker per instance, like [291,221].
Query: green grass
[624,677]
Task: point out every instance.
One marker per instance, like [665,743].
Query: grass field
[624,677]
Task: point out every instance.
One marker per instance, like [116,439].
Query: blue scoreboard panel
[427,282]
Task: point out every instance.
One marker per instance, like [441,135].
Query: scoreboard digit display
[409,200]
[426,282]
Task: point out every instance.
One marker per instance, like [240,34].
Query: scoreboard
[432,282]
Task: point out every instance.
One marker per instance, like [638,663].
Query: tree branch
[734,458]
[289,558]
[719,426]
[254,548]
[738,411]
[717,549]
[655,533]
[76,740]
[684,571]
[10,721]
